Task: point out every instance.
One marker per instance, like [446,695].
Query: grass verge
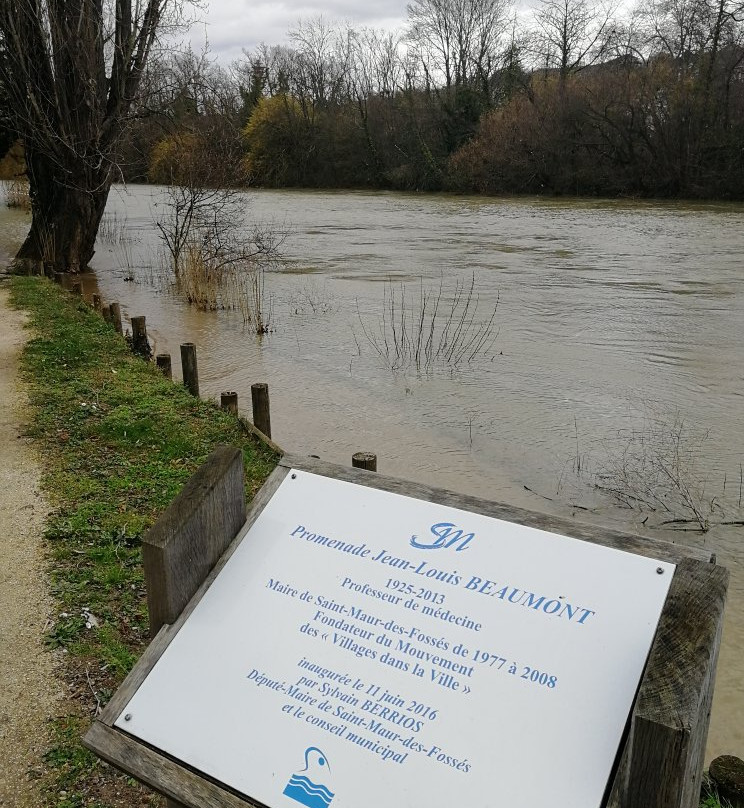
[117,441]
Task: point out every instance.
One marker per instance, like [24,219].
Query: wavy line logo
[306,786]
[445,534]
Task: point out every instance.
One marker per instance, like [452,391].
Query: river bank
[117,441]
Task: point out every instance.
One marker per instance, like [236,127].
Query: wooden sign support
[660,761]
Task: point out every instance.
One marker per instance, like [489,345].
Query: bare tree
[71,70]
[695,34]
[459,38]
[572,34]
[321,60]
[375,73]
[203,209]
[377,67]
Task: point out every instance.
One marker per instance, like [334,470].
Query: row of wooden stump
[140,345]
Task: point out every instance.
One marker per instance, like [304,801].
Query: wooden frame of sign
[660,760]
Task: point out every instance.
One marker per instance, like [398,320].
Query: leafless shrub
[204,203]
[312,298]
[216,260]
[655,469]
[431,328]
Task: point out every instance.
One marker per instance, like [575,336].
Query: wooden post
[59,277]
[77,289]
[261,408]
[364,460]
[140,344]
[163,361]
[189,369]
[229,402]
[116,317]
[188,539]
[49,271]
[106,312]
[662,762]
[97,302]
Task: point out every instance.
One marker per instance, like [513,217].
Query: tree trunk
[66,210]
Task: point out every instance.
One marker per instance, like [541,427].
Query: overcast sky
[232,25]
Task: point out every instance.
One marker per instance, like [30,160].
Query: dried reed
[17,195]
[655,469]
[113,230]
[211,283]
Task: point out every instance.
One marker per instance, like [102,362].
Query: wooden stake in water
[163,361]
[189,369]
[97,302]
[261,409]
[229,402]
[364,460]
[140,345]
[116,317]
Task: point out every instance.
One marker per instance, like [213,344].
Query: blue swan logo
[306,787]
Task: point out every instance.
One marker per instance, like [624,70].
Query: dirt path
[28,690]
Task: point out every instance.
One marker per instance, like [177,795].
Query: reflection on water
[606,310]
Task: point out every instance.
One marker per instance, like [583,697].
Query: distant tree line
[574,99]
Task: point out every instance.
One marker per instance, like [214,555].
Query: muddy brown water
[612,317]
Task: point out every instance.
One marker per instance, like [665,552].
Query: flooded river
[619,337]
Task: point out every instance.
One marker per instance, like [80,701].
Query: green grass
[710,797]
[117,441]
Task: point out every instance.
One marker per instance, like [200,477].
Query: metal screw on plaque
[659,570]
[128,717]
[294,476]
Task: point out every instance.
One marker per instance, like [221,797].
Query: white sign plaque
[363,649]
